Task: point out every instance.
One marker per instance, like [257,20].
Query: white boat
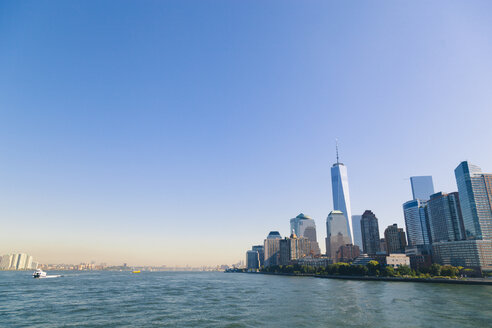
[39,274]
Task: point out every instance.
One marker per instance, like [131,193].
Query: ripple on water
[170,299]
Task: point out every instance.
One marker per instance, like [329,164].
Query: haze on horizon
[183,132]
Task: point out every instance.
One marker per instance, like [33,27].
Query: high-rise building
[357,230]
[445,219]
[303,226]
[252,260]
[370,233]
[272,248]
[395,239]
[416,222]
[300,247]
[340,192]
[261,254]
[284,251]
[475,200]
[422,187]
[6,262]
[16,262]
[337,232]
[475,253]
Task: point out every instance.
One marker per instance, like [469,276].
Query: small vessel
[39,274]
[136,271]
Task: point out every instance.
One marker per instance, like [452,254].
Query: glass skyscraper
[416,222]
[340,192]
[337,233]
[370,233]
[422,187]
[474,194]
[445,219]
[303,226]
[356,230]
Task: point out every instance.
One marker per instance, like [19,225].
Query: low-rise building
[397,260]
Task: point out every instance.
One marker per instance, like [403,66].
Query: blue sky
[182,132]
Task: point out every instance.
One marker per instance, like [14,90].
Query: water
[201,299]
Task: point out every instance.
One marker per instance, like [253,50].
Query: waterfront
[203,299]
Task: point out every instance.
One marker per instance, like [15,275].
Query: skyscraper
[337,233]
[340,192]
[476,206]
[422,187]
[445,219]
[299,247]
[303,226]
[252,260]
[395,239]
[261,253]
[272,248]
[357,231]
[416,222]
[370,233]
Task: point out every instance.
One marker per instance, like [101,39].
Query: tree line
[373,268]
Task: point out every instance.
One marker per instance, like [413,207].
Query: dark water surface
[202,299]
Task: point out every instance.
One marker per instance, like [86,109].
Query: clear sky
[182,132]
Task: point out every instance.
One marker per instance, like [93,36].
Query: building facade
[347,253]
[261,254]
[474,195]
[272,248]
[416,222]
[341,195]
[445,219]
[466,253]
[395,239]
[422,187]
[252,260]
[370,233]
[303,226]
[337,232]
[356,232]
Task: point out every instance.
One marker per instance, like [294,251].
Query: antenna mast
[336,141]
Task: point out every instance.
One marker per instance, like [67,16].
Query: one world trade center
[340,191]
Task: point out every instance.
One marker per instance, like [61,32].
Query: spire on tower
[336,141]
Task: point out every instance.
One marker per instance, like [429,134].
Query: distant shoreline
[465,281]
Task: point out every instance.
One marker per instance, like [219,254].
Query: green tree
[404,270]
[435,269]
[449,271]
[388,271]
[373,268]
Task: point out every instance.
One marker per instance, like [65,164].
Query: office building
[261,254]
[395,239]
[347,253]
[416,222]
[475,199]
[300,247]
[337,232]
[370,233]
[340,192]
[303,226]
[356,230]
[19,261]
[284,251]
[475,254]
[422,187]
[272,248]
[252,260]
[445,219]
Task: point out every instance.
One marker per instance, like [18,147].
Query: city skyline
[187,135]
